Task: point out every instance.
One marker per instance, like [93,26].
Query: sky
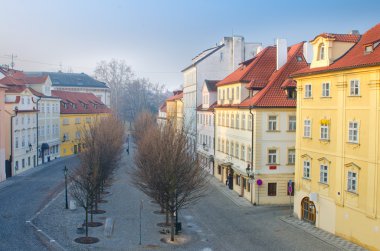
[158,38]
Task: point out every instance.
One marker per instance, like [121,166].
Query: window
[353,132]
[323,176]
[237,92]
[354,88]
[322,52]
[249,153]
[352,181]
[237,150]
[243,122]
[28,161]
[224,94]
[88,119]
[227,120]
[306,169]
[250,122]
[324,130]
[66,136]
[325,89]
[272,189]
[227,147]
[291,156]
[272,156]
[232,148]
[77,120]
[65,121]
[242,152]
[28,119]
[16,140]
[238,180]
[237,121]
[23,141]
[228,93]
[222,145]
[368,49]
[308,91]
[23,163]
[233,93]
[16,165]
[272,123]
[77,134]
[307,128]
[292,123]
[232,120]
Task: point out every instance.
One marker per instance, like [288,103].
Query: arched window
[322,52]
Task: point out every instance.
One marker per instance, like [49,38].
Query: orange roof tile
[356,57]
[255,71]
[352,38]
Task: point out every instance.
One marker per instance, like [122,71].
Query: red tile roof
[255,71]
[289,83]
[175,97]
[273,95]
[355,57]
[85,103]
[19,78]
[15,88]
[352,38]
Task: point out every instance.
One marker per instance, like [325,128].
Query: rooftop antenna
[12,56]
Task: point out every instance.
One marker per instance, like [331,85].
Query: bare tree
[167,170]
[103,141]
[144,122]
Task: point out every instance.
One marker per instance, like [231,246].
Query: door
[308,210]
[8,169]
[75,149]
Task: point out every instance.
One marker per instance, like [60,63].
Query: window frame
[353,88]
[308,91]
[306,169]
[272,124]
[352,181]
[307,128]
[272,188]
[292,122]
[272,157]
[324,173]
[353,132]
[325,131]
[291,156]
[326,89]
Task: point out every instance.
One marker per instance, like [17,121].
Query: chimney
[308,52]
[237,51]
[259,49]
[281,52]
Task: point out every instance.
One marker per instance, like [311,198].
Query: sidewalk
[32,170]
[321,234]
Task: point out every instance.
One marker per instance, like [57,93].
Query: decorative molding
[352,164]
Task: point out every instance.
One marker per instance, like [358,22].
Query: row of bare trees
[166,166]
[130,95]
[103,144]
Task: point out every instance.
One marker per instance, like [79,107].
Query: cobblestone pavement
[321,234]
[220,221]
[21,197]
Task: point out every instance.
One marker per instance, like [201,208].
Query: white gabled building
[213,63]
[205,126]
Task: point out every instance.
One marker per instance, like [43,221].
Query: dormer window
[291,92]
[322,52]
[368,49]
[299,58]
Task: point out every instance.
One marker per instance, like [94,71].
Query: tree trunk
[167,217]
[172,226]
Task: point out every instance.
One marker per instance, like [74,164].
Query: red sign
[272,167]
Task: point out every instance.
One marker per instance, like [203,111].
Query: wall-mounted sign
[259,182]
[272,167]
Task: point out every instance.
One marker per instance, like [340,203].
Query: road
[22,197]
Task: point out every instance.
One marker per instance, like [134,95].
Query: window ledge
[308,97]
[273,131]
[291,131]
[290,164]
[304,137]
[273,164]
[325,140]
[326,97]
[352,192]
[323,184]
[353,143]
[306,178]
[354,96]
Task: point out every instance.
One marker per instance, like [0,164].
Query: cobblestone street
[220,221]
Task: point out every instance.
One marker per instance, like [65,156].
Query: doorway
[308,210]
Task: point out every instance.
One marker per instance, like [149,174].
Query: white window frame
[242,153]
[324,173]
[353,132]
[354,87]
[237,124]
[291,156]
[306,169]
[272,156]
[352,181]
[272,123]
[243,126]
[308,91]
[326,89]
[307,128]
[292,123]
[325,132]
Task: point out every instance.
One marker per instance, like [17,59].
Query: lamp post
[65,172]
[251,176]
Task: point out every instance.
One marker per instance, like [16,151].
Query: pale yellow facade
[175,112]
[338,154]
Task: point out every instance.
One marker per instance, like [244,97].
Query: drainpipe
[38,100]
[252,123]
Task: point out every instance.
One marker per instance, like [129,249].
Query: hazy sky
[158,38]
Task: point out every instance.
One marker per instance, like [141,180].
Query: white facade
[24,128]
[214,63]
[104,94]
[205,128]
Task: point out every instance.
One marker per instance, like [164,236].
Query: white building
[77,82]
[205,126]
[20,104]
[161,118]
[213,63]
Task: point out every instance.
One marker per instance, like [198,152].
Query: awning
[44,146]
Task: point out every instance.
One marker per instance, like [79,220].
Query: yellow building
[174,109]
[77,111]
[337,176]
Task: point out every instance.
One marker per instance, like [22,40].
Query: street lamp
[65,172]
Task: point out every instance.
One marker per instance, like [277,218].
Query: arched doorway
[308,210]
